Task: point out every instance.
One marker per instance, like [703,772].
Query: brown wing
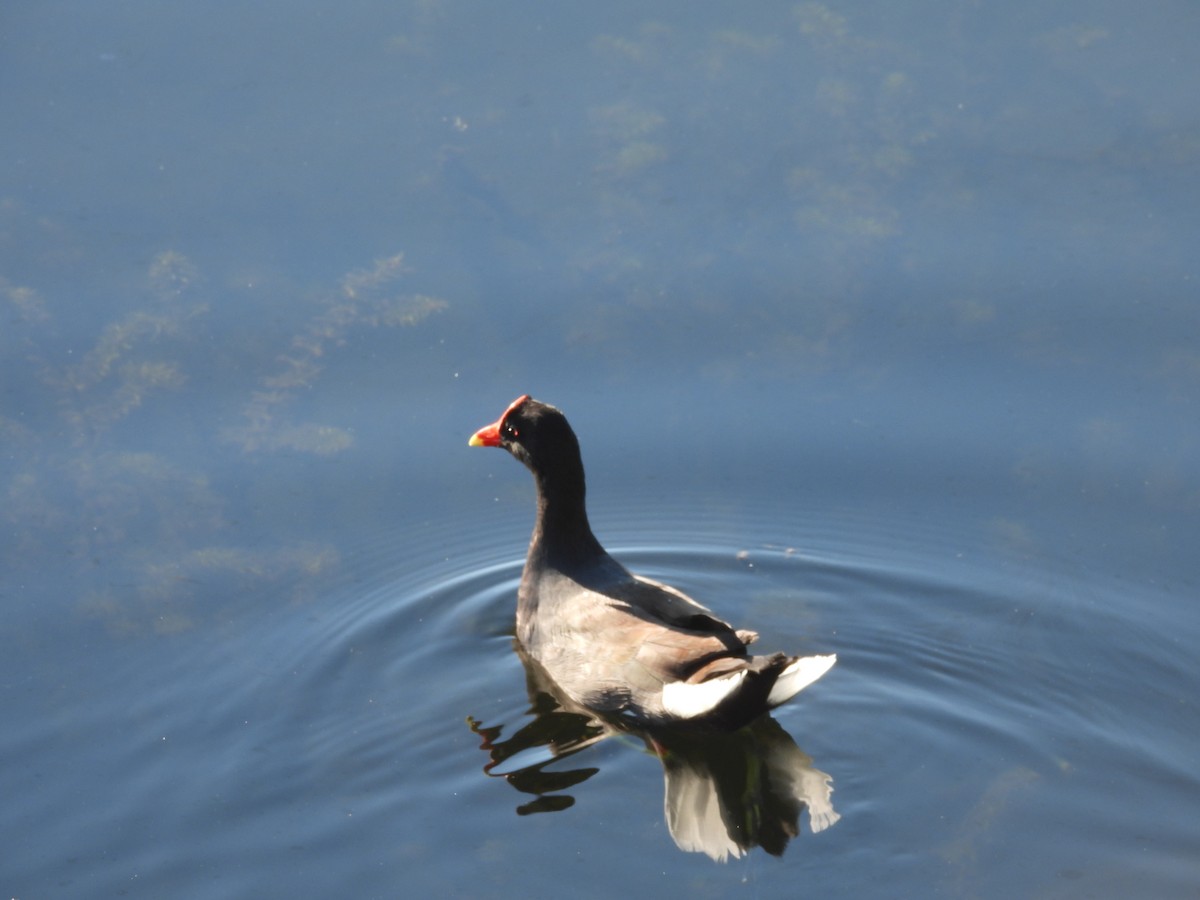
[675,608]
[614,646]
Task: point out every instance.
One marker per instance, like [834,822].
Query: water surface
[878,328]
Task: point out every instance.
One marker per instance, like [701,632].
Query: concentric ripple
[990,672]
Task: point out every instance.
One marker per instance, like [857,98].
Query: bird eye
[509,431]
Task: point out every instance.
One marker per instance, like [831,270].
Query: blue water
[879,331]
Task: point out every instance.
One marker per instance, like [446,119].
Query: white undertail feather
[685,700]
[798,676]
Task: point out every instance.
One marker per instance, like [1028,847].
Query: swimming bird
[618,643]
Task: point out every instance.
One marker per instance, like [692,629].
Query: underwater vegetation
[106,475]
[363,300]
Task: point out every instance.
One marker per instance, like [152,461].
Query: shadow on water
[725,793]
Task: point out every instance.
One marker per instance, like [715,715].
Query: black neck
[562,535]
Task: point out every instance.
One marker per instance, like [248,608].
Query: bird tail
[736,689]
[797,675]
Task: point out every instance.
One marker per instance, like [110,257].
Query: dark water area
[879,329]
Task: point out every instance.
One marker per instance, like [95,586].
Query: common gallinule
[615,642]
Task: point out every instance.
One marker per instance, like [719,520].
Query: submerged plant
[364,300]
[102,475]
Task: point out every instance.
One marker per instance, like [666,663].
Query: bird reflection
[725,793]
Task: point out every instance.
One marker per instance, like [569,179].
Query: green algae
[103,478]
